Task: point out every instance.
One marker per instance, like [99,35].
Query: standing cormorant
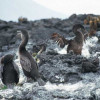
[75,44]
[9,71]
[27,62]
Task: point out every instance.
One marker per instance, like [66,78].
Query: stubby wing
[16,67]
[59,39]
[25,63]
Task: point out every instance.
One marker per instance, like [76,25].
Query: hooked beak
[82,31]
[18,34]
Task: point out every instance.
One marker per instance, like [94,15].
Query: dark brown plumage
[75,44]
[9,71]
[27,62]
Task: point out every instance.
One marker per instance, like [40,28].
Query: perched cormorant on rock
[27,62]
[75,44]
[9,71]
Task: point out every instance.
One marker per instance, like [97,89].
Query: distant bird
[9,71]
[29,65]
[39,48]
[75,44]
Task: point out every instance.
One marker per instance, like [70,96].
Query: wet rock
[4,48]
[57,68]
[70,62]
[72,77]
[64,71]
[60,95]
[93,96]
[52,52]
[89,67]
[79,59]
[95,61]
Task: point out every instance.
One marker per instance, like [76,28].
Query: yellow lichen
[22,19]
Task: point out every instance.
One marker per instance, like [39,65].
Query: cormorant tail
[40,82]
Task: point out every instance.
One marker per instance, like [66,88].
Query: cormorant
[9,71]
[29,65]
[75,44]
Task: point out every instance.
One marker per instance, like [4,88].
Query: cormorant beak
[79,30]
[18,34]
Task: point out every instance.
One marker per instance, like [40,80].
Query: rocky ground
[67,76]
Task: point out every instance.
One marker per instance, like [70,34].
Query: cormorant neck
[23,43]
[79,37]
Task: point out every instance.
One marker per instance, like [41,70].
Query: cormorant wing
[16,67]
[25,63]
[1,70]
[59,39]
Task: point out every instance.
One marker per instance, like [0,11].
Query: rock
[79,59]
[57,68]
[40,29]
[89,67]
[52,52]
[4,48]
[72,77]
[60,95]
[67,76]
[73,16]
[5,27]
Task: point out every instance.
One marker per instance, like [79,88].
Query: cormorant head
[79,28]
[7,58]
[22,33]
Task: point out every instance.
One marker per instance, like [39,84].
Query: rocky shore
[67,76]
